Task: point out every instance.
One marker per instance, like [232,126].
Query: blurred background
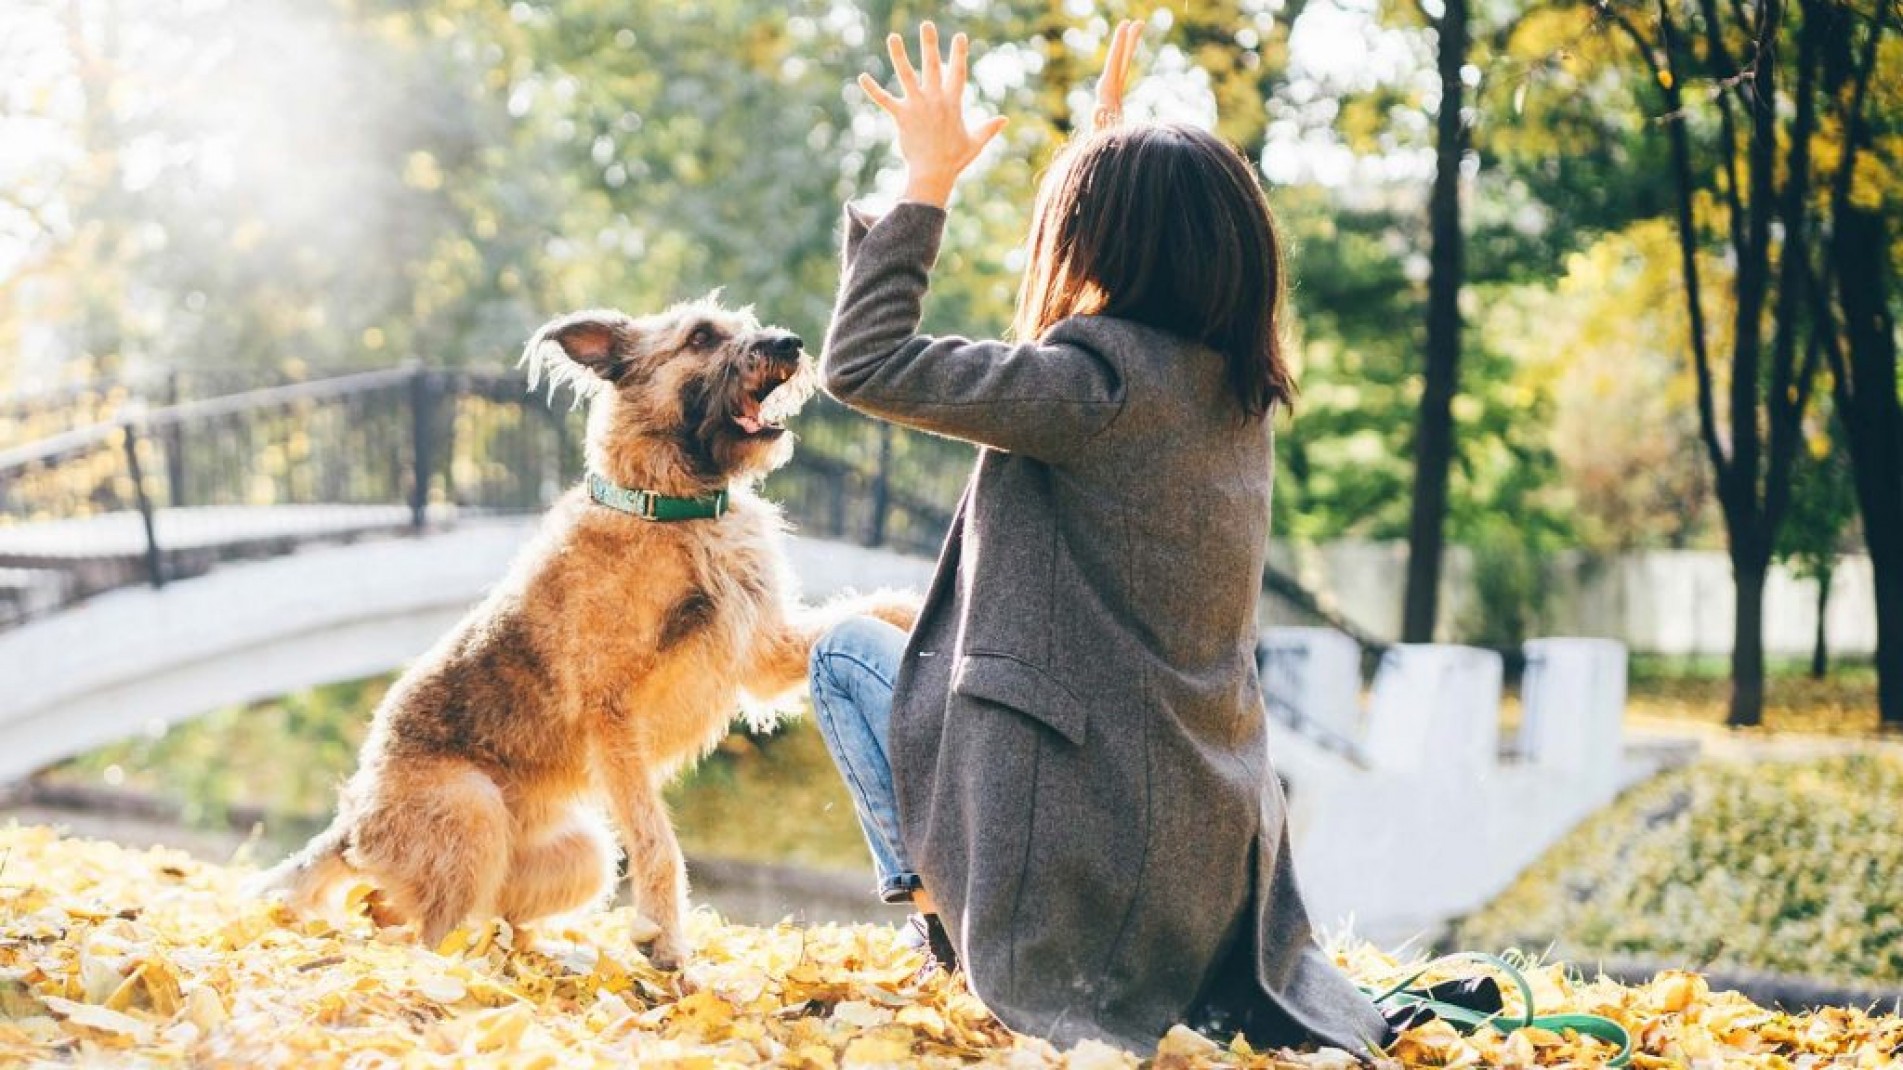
[1595,321]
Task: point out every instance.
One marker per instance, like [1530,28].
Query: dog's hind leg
[437,843]
[557,869]
[304,877]
[657,876]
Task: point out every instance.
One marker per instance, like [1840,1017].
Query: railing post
[154,570]
[422,444]
[174,448]
[881,488]
[447,388]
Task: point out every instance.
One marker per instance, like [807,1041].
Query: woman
[1063,766]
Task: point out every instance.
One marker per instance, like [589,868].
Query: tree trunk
[1873,422]
[1747,644]
[1889,595]
[1820,648]
[1434,437]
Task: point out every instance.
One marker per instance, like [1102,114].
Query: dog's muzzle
[770,394]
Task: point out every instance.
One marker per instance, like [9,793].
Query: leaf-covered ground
[1842,704]
[115,957]
[1788,866]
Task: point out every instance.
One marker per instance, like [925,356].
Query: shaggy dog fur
[614,653]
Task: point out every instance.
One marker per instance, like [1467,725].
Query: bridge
[164,561]
[173,560]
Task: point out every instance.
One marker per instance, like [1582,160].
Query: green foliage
[1507,581]
[1346,456]
[773,798]
[1823,505]
[284,757]
[349,183]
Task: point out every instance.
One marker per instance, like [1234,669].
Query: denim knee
[855,637]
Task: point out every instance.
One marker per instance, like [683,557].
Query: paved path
[1718,743]
[122,534]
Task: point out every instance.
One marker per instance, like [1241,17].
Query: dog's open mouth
[765,409]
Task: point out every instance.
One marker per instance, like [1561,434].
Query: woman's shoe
[926,934]
[1480,994]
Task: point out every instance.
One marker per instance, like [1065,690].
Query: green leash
[1467,1020]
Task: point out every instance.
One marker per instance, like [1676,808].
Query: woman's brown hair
[1166,225]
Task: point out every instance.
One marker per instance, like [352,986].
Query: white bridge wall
[136,658]
[1676,602]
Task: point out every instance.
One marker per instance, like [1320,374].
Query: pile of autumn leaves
[115,956]
[1791,866]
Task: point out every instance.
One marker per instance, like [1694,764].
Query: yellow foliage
[112,956]
[1789,866]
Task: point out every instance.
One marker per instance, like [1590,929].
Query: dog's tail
[302,879]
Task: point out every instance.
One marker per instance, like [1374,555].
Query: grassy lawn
[1844,703]
[758,798]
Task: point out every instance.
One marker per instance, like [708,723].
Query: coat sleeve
[1041,399]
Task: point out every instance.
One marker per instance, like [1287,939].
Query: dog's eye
[701,338]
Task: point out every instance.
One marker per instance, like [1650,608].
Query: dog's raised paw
[897,608]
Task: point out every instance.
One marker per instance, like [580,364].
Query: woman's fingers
[981,137]
[1122,51]
[931,72]
[955,71]
[984,134]
[902,63]
[1116,67]
[886,101]
[934,135]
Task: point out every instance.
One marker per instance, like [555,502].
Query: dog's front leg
[657,876]
[784,645]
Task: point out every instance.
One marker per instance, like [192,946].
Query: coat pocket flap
[1025,688]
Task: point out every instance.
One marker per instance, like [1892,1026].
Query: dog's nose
[784,345]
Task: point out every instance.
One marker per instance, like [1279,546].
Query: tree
[1434,436]
[1765,230]
[1608,336]
[1859,293]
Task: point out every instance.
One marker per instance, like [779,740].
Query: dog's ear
[584,350]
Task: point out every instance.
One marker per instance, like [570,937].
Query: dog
[615,652]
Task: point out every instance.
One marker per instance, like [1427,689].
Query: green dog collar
[651,506]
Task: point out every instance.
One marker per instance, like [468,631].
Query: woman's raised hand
[1116,73]
[933,139]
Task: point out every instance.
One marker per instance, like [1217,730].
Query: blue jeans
[851,676]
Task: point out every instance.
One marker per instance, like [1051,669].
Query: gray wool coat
[1077,728]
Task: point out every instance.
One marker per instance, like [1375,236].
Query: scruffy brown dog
[616,650]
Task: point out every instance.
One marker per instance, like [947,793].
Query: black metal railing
[30,415]
[155,494]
